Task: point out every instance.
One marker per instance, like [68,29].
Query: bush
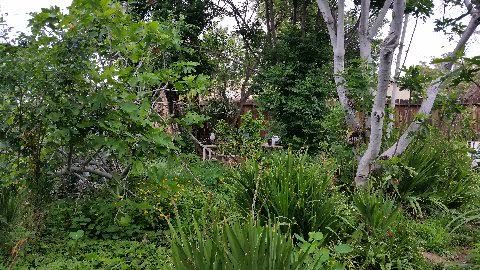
[244,140]
[136,209]
[376,212]
[394,248]
[105,218]
[291,189]
[15,216]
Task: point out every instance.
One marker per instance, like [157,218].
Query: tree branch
[363,35]
[427,104]
[327,16]
[86,169]
[379,20]
[337,40]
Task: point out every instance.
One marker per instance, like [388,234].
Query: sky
[426,44]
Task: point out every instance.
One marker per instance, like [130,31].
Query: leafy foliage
[295,85]
[434,172]
[248,246]
[291,189]
[244,140]
[377,213]
[94,254]
[79,89]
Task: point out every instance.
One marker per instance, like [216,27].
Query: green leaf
[129,107]
[316,236]
[76,235]
[125,221]
[343,248]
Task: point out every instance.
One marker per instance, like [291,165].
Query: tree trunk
[270,19]
[427,104]
[378,110]
[294,12]
[303,17]
[363,35]
[398,64]
[337,40]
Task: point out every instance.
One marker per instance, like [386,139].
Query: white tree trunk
[337,40]
[398,65]
[425,109]
[388,47]
[364,40]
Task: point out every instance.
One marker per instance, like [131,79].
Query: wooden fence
[405,113]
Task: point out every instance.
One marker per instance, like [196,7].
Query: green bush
[394,248]
[291,189]
[105,218]
[9,205]
[138,208]
[294,84]
[475,255]
[15,217]
[244,140]
[181,169]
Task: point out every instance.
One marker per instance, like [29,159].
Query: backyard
[149,135]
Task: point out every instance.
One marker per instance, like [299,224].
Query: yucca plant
[243,246]
[289,188]
[233,246]
[377,212]
[436,172]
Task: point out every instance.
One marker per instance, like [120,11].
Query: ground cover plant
[140,135]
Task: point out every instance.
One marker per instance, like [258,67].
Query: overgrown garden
[106,109]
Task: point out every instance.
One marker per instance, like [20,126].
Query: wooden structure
[406,111]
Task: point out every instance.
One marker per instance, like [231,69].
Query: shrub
[9,205]
[104,218]
[15,217]
[244,140]
[137,209]
[377,212]
[290,188]
[394,248]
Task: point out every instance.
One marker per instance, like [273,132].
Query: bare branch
[86,169]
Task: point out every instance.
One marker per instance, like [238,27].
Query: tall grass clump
[434,171]
[247,245]
[291,189]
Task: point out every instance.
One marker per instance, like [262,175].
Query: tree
[367,32]
[77,96]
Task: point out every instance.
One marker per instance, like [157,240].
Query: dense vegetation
[96,174]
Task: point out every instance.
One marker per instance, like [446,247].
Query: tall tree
[367,32]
